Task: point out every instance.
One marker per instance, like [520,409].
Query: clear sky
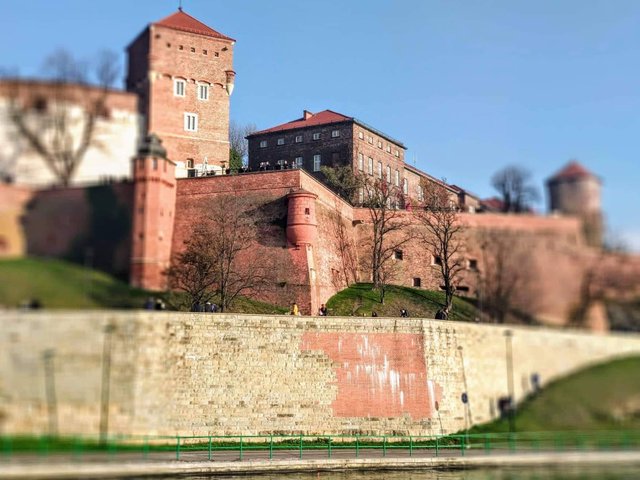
[468,86]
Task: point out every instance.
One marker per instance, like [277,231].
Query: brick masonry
[198,374]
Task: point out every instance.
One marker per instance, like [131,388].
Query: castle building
[332,139]
[575,191]
[182,72]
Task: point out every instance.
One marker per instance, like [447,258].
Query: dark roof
[572,171]
[186,23]
[493,204]
[325,117]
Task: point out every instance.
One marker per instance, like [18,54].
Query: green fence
[241,447]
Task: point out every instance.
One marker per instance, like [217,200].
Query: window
[388,148]
[370,169]
[280,141]
[263,143]
[204,52]
[361,135]
[335,133]
[193,50]
[396,153]
[361,195]
[316,136]
[155,163]
[298,138]
[398,255]
[388,174]
[189,162]
[397,179]
[299,161]
[436,260]
[179,87]
[405,185]
[203,92]
[473,264]
[417,282]
[380,170]
[420,190]
[191,122]
[307,211]
[379,144]
[360,162]
[370,139]
[316,163]
[180,47]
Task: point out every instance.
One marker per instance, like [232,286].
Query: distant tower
[154,206]
[574,190]
[182,71]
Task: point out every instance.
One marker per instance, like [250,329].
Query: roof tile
[186,23]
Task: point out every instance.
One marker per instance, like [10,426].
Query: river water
[542,473]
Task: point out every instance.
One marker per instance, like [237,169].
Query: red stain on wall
[378,375]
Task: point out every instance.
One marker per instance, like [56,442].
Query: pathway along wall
[198,374]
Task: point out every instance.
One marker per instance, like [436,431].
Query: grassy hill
[603,397]
[60,284]
[360,300]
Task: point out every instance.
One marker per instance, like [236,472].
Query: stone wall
[198,374]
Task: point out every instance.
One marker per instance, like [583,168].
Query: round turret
[301,218]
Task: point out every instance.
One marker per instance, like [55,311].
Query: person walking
[294,309]
[322,311]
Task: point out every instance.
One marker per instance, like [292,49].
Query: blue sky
[468,86]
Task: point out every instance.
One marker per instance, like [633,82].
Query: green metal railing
[239,447]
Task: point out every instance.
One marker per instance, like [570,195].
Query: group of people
[207,307]
[281,165]
[152,303]
[295,310]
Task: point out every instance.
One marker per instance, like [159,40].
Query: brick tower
[574,190]
[153,215]
[182,72]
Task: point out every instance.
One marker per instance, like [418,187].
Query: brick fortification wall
[204,374]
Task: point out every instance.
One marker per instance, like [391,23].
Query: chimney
[307,115]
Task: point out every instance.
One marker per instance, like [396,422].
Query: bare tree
[238,144]
[51,127]
[346,250]
[344,181]
[504,273]
[219,258]
[513,183]
[391,229]
[443,235]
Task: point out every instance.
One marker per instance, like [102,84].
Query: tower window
[307,211]
[180,47]
[191,122]
[316,136]
[193,50]
[335,133]
[204,52]
[298,138]
[179,87]
[263,143]
[316,163]
[203,92]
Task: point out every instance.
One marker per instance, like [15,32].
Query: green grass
[360,299]
[58,284]
[603,397]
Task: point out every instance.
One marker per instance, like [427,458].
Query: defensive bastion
[197,374]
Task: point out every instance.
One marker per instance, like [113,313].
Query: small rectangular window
[370,169]
[203,92]
[204,52]
[191,122]
[280,141]
[370,140]
[298,138]
[388,148]
[179,87]
[316,136]
[360,162]
[335,133]
[379,144]
[396,153]
[193,50]
[307,211]
[397,179]
[361,135]
[263,143]
[388,174]
[316,163]
[299,161]
[436,260]
[473,264]
[417,282]
[398,254]
[405,186]
[380,170]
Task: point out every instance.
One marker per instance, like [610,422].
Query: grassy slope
[59,284]
[360,300]
[603,397]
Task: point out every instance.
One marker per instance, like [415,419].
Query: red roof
[186,23]
[573,170]
[308,120]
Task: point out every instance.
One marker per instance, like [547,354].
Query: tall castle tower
[574,190]
[182,72]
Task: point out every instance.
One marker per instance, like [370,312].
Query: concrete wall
[247,374]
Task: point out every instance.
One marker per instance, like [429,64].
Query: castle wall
[13,202]
[199,374]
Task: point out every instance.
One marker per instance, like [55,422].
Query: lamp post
[106,380]
[508,334]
